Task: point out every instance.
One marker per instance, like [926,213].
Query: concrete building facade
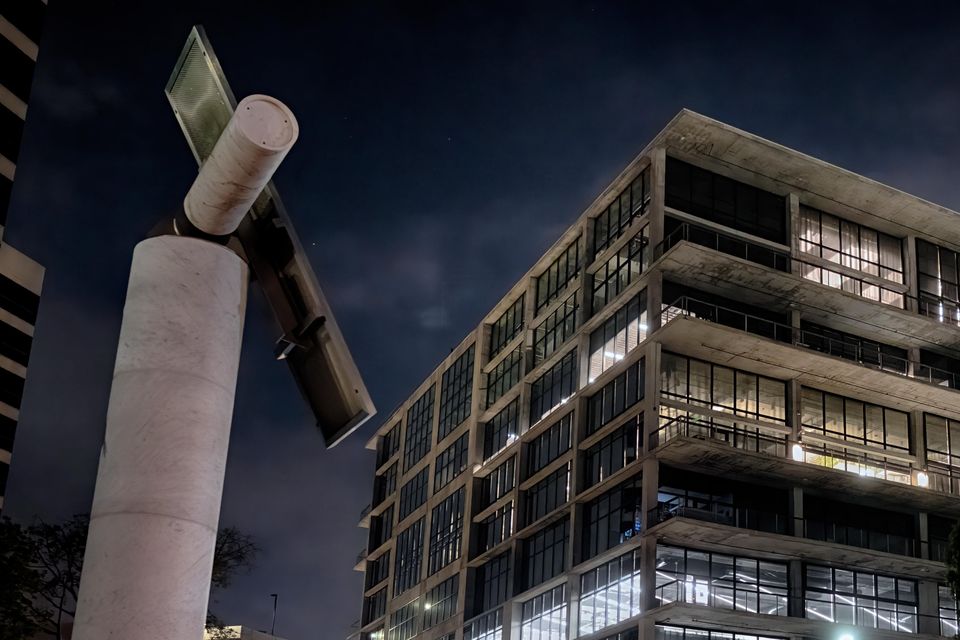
[21,278]
[722,406]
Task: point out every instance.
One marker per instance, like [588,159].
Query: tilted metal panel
[315,350]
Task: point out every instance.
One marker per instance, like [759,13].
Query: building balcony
[733,338]
[361,562]
[720,263]
[364,522]
[727,529]
[743,453]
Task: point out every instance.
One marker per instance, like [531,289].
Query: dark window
[374,606]
[938,535]
[555,330]
[505,375]
[860,598]
[549,445]
[938,278]
[695,303]
[855,420]
[499,483]
[612,453]
[11,388]
[15,344]
[558,275]
[16,72]
[406,571]
[413,493]
[855,348]
[4,472]
[544,553]
[620,270]
[377,570]
[506,327]
[11,133]
[547,495]
[446,527]
[721,581]
[859,526]
[16,298]
[388,445]
[384,485]
[440,602]
[501,430]
[6,186]
[419,430]
[615,397]
[451,462]
[8,429]
[381,528]
[939,369]
[493,583]
[26,16]
[553,387]
[725,201]
[456,393]
[629,205]
[495,528]
[612,518]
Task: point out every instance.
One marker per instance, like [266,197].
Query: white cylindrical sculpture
[154,522]
[247,153]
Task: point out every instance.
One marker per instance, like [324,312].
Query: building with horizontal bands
[723,406]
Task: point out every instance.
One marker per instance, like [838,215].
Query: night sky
[443,147]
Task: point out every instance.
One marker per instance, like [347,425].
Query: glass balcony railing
[739,436]
[807,338]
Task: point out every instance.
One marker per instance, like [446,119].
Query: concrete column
[648,573]
[154,520]
[651,398]
[651,489]
[796,512]
[658,168]
[923,533]
[795,591]
[910,273]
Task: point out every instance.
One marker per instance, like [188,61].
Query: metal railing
[718,512]
[724,243]
[862,464]
[747,438]
[366,510]
[859,537]
[361,556]
[806,338]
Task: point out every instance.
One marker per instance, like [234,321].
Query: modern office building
[21,278]
[723,406]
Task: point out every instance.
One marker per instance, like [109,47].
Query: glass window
[381,528]
[545,616]
[456,393]
[405,622]
[855,421]
[938,277]
[446,527]
[612,518]
[555,330]
[495,528]
[451,462]
[419,430]
[624,267]
[388,444]
[493,583]
[721,581]
[671,632]
[501,430]
[852,347]
[613,452]
[486,627]
[610,593]
[505,375]
[855,247]
[619,335]
[547,495]
[630,204]
[725,201]
[440,602]
[554,387]
[413,493]
[948,612]
[406,570]
[615,397]
[860,598]
[544,553]
[384,484]
[558,275]
[377,570]
[549,445]
[499,483]
[374,606]
[506,327]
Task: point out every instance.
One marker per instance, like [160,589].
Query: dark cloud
[444,147]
